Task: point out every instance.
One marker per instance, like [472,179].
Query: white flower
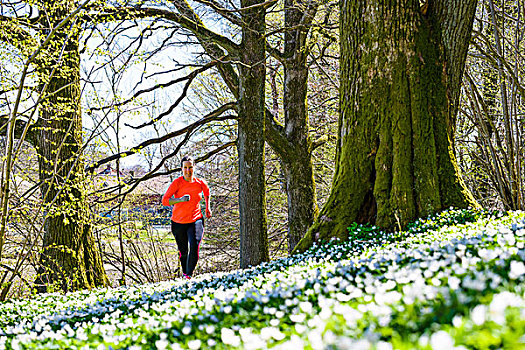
[300,328]
[487,254]
[229,337]
[194,344]
[389,297]
[499,304]
[389,285]
[305,306]
[316,339]
[383,346]
[210,329]
[361,344]
[297,318]
[441,340]
[278,335]
[329,337]
[159,344]
[436,282]
[325,313]
[511,240]
[271,332]
[474,283]
[517,268]
[343,297]
[246,334]
[423,340]
[457,321]
[357,293]
[479,314]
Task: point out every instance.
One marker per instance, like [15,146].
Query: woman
[184,194]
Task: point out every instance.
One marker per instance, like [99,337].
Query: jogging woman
[184,194]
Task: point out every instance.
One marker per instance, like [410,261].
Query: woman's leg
[180,231]
[195,233]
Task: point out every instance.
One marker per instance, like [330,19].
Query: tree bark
[455,18]
[394,160]
[297,156]
[69,258]
[251,125]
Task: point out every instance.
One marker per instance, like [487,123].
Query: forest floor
[151,255]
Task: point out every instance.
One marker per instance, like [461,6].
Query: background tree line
[267,72]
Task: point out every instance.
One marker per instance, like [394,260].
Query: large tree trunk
[69,258]
[251,125]
[394,159]
[454,20]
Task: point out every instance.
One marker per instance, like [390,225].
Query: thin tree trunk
[251,126]
[297,160]
[301,194]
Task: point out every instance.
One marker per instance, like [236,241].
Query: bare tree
[491,123]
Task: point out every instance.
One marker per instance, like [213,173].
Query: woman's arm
[184,198]
[166,199]
[208,210]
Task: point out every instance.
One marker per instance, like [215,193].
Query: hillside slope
[454,281]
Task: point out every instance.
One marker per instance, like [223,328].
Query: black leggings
[188,234]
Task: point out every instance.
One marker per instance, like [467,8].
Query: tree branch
[213,116]
[11,32]
[190,77]
[226,13]
[275,135]
[126,13]
[153,174]
[19,128]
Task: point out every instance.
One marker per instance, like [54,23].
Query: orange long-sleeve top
[186,212]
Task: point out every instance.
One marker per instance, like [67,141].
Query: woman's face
[187,170]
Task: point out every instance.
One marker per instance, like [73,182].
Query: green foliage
[446,218]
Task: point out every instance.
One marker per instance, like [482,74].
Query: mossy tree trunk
[69,258]
[394,158]
[251,125]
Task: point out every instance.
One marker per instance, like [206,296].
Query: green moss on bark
[393,159]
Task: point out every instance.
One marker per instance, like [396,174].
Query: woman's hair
[186,159]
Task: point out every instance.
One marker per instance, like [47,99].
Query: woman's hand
[208,210]
[184,198]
